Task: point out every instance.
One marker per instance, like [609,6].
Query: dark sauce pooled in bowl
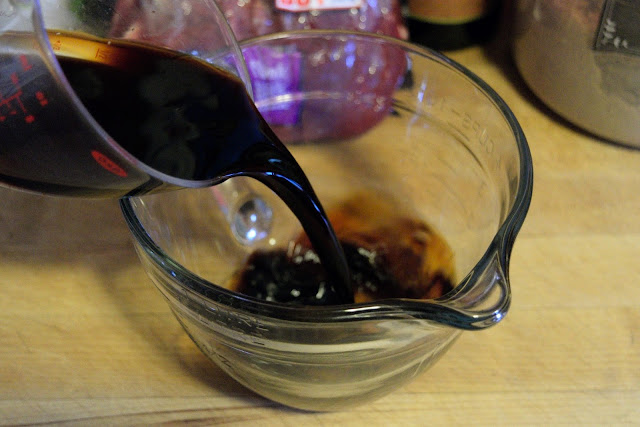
[389,256]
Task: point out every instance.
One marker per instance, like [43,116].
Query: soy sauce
[278,276]
[186,118]
[389,254]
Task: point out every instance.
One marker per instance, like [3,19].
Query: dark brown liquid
[390,255]
[188,119]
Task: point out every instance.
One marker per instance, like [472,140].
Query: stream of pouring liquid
[192,120]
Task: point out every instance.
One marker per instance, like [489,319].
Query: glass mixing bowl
[362,114]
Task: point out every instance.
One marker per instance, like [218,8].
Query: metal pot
[582,58]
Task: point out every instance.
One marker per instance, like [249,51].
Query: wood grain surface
[86,339]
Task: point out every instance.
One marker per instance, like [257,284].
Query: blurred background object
[582,58]
[452,24]
[252,18]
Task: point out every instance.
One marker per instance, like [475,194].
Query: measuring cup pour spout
[479,301]
[482,299]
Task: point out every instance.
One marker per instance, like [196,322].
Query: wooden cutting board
[86,339]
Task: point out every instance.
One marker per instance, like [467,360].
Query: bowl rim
[439,310]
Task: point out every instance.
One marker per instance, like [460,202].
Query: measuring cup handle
[248,214]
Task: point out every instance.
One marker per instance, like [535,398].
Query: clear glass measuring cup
[442,146]
[49,141]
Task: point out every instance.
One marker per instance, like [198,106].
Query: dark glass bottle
[452,24]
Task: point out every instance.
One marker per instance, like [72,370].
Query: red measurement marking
[20,104]
[3,103]
[6,103]
[13,104]
[25,63]
[108,164]
[42,98]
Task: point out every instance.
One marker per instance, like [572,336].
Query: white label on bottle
[307,5]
